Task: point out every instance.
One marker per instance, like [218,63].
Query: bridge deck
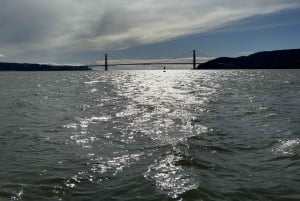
[143,64]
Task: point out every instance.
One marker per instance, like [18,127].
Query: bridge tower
[106,63]
[194,59]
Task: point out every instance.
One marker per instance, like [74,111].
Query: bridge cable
[201,53]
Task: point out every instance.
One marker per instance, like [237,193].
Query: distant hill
[278,59]
[40,67]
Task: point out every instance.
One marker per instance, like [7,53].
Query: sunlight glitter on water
[116,164]
[158,110]
[170,177]
[180,135]
[161,111]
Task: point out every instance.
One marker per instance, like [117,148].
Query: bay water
[150,135]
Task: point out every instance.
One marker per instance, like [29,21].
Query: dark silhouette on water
[164,69]
[40,67]
[278,59]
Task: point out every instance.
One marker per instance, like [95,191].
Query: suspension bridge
[169,61]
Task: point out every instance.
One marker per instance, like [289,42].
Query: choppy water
[149,135]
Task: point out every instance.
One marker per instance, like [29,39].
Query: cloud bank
[32,26]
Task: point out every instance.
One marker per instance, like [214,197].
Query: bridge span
[106,64]
[145,64]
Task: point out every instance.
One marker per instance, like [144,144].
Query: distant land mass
[40,67]
[278,59]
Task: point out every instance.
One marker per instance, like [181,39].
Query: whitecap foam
[286,147]
[18,195]
[71,125]
[94,90]
[102,118]
[92,82]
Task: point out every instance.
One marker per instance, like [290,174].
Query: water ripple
[179,135]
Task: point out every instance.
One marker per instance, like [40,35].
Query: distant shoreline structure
[277,59]
[40,67]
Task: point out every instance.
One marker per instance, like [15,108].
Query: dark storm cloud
[29,26]
[110,22]
[26,22]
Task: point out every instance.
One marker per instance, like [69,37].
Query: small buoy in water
[164,69]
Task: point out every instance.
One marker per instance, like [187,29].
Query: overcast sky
[80,31]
